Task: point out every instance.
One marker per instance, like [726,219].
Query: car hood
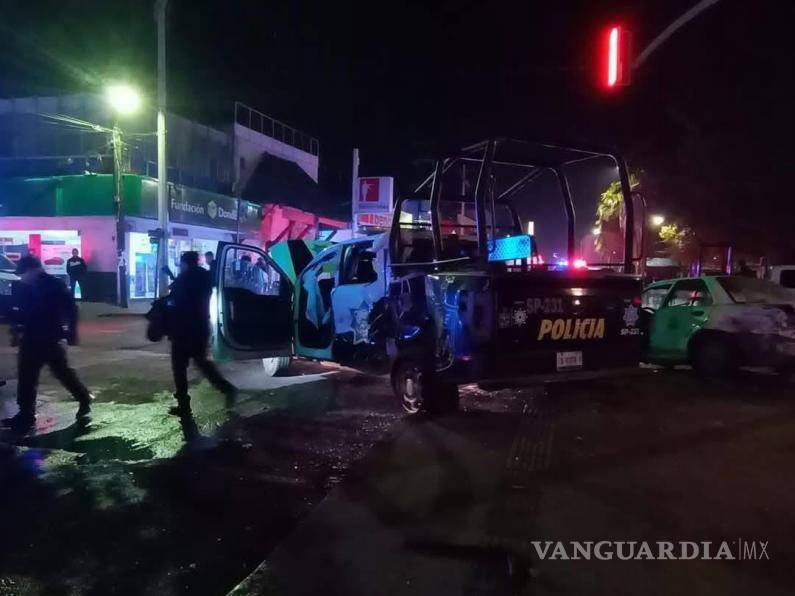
[776,319]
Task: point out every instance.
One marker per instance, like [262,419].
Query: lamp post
[162,165]
[125,101]
[655,222]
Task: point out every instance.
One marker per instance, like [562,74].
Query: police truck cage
[480,207]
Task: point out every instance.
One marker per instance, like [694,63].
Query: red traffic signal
[617,52]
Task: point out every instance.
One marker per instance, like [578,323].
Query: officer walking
[189,331]
[46,314]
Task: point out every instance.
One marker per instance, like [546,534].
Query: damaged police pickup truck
[457,291]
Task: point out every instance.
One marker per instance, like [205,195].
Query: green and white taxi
[719,323]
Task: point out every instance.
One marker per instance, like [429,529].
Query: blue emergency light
[511,248]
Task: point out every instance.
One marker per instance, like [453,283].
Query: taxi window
[653,297]
[690,292]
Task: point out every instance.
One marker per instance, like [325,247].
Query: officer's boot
[182,409]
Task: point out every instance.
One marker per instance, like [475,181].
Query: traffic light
[617,53]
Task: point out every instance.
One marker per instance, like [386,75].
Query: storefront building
[51,216]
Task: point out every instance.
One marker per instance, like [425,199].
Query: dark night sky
[709,117]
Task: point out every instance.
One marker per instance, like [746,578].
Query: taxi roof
[662,282]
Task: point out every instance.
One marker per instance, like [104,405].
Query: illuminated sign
[375,195]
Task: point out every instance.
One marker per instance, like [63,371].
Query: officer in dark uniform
[45,314]
[209,259]
[76,269]
[189,331]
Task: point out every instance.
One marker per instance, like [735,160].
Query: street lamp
[125,101]
[657,220]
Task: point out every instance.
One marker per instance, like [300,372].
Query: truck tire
[713,357]
[418,390]
[276,366]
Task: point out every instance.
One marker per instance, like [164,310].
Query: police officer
[189,331]
[209,260]
[46,314]
[76,268]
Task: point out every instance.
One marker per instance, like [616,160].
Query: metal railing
[270,127]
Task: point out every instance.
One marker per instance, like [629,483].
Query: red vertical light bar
[612,56]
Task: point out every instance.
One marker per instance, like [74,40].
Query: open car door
[251,307]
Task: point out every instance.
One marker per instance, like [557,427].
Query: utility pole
[355,195]
[121,273]
[162,166]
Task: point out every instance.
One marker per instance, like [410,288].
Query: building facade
[56,187]
[50,216]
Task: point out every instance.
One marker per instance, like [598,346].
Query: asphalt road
[136,503]
[316,483]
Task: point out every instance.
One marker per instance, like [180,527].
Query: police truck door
[251,307]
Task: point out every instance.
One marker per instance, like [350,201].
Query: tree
[679,242]
[610,220]
[611,200]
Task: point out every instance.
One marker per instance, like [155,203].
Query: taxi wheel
[713,358]
[277,366]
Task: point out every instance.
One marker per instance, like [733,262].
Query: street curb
[258,582]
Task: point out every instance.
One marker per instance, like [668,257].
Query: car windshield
[6,264]
[748,290]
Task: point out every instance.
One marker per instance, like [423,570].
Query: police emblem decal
[360,323]
[631,315]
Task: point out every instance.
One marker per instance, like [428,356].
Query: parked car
[7,280]
[719,323]
[783,275]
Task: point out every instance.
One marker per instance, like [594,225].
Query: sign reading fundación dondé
[198,208]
